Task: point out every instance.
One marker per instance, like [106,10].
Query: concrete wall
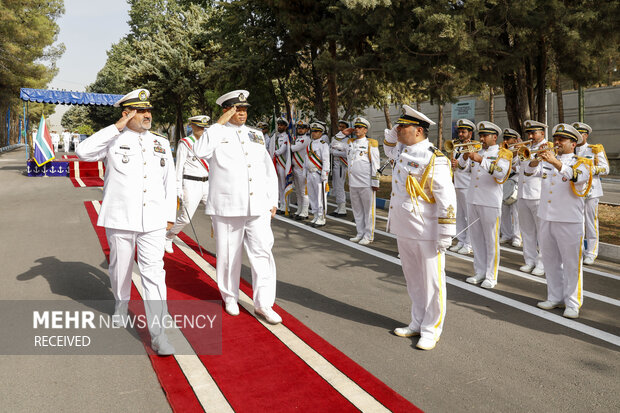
[602,113]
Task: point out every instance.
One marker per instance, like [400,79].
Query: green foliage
[85,130]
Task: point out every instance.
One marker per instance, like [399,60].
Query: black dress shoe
[340,215]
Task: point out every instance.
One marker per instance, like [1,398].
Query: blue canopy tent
[62,97]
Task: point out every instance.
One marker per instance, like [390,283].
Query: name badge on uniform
[255,138]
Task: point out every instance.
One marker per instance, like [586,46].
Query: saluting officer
[529,200]
[298,155]
[243,197]
[565,183]
[192,178]
[316,171]
[282,153]
[489,169]
[509,227]
[363,159]
[139,204]
[462,175]
[338,148]
[422,216]
[600,167]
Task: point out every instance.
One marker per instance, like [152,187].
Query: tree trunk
[440,127]
[512,101]
[558,91]
[287,104]
[523,95]
[491,104]
[541,81]
[333,91]
[386,113]
[179,124]
[529,88]
[317,81]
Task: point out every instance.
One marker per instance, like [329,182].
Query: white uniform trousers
[528,223]
[363,204]
[339,175]
[591,222]
[509,227]
[562,243]
[461,216]
[317,197]
[282,201]
[150,246]
[254,233]
[194,192]
[299,180]
[484,235]
[424,270]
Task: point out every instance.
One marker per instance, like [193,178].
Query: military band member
[566,180]
[462,174]
[243,197]
[298,155]
[363,159]
[139,204]
[192,175]
[529,200]
[509,227]
[338,148]
[422,216]
[490,168]
[316,171]
[282,152]
[600,167]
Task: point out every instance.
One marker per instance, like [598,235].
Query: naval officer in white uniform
[192,174]
[243,197]
[422,216]
[139,204]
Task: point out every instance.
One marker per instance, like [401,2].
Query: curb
[11,147]
[609,252]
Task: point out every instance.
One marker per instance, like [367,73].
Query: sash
[189,141]
[314,158]
[299,160]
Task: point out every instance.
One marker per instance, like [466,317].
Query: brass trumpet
[515,146]
[473,146]
[524,152]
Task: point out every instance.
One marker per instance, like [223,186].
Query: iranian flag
[43,148]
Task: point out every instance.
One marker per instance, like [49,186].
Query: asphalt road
[498,352]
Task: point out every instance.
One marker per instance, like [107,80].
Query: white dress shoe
[588,260]
[162,346]
[571,312]
[526,268]
[517,243]
[268,314]
[232,307]
[364,241]
[168,246]
[538,271]
[406,332]
[425,343]
[488,284]
[466,249]
[549,305]
[476,279]
[355,238]
[320,222]
[456,247]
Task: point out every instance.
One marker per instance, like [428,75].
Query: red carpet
[86,173]
[256,371]
[69,157]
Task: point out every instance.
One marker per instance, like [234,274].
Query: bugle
[525,153]
[473,146]
[515,146]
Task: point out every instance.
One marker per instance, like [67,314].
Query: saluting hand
[124,120]
[227,115]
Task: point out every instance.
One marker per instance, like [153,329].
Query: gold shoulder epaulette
[350,140]
[159,134]
[598,148]
[437,152]
[504,153]
[584,161]
[373,142]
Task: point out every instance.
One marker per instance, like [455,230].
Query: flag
[43,148]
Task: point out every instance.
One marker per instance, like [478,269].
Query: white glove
[180,196]
[443,243]
[323,177]
[390,134]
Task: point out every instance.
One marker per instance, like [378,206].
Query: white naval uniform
[509,226]
[243,188]
[283,165]
[484,201]
[462,176]
[363,158]
[316,171]
[298,155]
[192,182]
[528,200]
[561,228]
[600,168]
[418,225]
[55,141]
[66,141]
[76,141]
[339,148]
[139,198]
